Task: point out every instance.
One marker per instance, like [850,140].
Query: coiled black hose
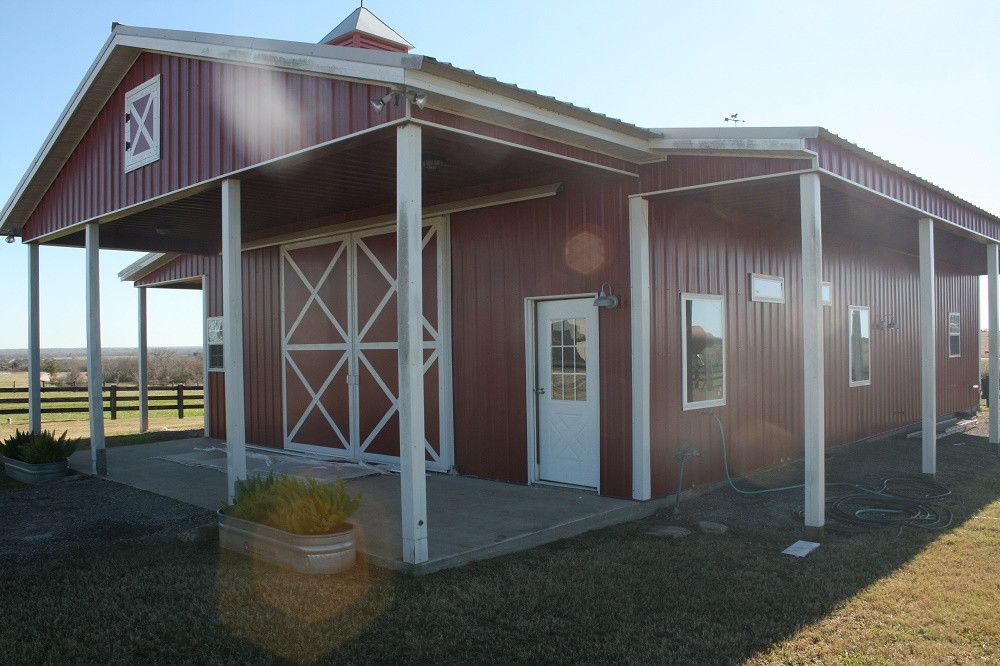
[899,502]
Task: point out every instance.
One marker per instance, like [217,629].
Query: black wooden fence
[73,400]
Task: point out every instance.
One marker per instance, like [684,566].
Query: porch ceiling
[848,211]
[338,183]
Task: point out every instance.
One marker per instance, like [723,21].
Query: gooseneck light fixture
[605,299]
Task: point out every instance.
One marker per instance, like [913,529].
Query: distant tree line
[165,367]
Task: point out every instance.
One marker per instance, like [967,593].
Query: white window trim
[130,162]
[827,302]
[959,336]
[767,299]
[686,405]
[850,346]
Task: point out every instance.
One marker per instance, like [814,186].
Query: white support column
[95,375]
[232,333]
[409,299]
[812,349]
[928,349]
[34,344]
[143,364]
[993,307]
[205,401]
[638,221]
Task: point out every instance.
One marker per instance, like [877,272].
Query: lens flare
[585,251]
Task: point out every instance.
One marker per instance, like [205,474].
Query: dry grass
[612,596]
[166,422]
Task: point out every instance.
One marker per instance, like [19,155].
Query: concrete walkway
[468,519]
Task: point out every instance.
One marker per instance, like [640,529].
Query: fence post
[113,397]
[180,401]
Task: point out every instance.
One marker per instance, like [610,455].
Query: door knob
[539,391]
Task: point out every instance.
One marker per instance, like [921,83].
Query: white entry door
[568,392]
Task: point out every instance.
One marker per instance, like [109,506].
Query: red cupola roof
[364,30]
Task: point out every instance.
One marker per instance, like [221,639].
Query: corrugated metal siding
[685,170]
[215,118]
[502,255]
[844,162]
[697,248]
[261,334]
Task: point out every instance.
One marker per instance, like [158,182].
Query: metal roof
[362,20]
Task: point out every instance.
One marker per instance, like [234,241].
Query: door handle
[539,391]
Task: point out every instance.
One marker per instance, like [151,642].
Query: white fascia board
[290,56]
[88,79]
[737,132]
[145,265]
[591,136]
[701,146]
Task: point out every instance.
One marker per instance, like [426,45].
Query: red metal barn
[408,263]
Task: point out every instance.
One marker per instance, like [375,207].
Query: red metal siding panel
[502,255]
[696,248]
[686,170]
[215,118]
[849,164]
[262,338]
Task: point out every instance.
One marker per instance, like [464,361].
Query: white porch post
[409,299]
[205,401]
[95,375]
[143,378]
[928,351]
[638,221]
[993,306]
[232,332]
[812,347]
[34,344]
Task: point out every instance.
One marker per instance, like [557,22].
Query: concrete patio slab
[468,519]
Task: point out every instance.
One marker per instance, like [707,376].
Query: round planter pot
[311,554]
[34,473]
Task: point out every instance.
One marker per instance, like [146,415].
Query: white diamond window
[142,125]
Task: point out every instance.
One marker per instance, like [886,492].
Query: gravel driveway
[83,513]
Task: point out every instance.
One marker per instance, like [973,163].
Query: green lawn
[612,596]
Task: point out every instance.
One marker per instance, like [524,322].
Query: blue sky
[915,82]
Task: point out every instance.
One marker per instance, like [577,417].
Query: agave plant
[297,506]
[39,447]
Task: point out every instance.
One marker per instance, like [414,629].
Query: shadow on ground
[617,595]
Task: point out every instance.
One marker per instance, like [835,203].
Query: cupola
[364,30]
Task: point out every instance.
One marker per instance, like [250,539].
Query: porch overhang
[848,209]
[330,187]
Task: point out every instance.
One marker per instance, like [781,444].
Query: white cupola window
[142,124]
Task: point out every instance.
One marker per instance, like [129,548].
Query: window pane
[556,332]
[954,334]
[705,339]
[557,386]
[581,387]
[860,345]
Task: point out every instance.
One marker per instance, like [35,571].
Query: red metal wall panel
[215,118]
[567,244]
[261,333]
[846,162]
[685,170]
[701,249]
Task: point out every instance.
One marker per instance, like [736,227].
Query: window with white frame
[142,124]
[954,335]
[703,350]
[214,342]
[860,346]
[767,288]
[827,294]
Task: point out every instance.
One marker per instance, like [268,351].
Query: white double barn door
[340,346]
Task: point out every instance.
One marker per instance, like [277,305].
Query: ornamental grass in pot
[299,523]
[34,457]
